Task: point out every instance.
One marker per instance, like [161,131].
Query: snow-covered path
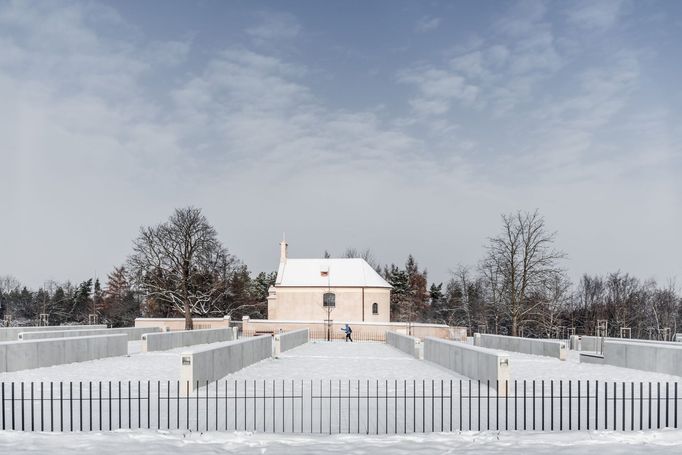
[342,361]
[312,361]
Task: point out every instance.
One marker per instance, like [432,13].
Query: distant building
[361,294]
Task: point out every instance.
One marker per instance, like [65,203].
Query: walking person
[348,331]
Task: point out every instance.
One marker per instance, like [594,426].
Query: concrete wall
[23,355]
[171,340]
[471,361]
[362,330]
[220,359]
[134,333]
[305,304]
[12,333]
[652,357]
[410,345]
[592,358]
[289,340]
[178,324]
[531,346]
[590,343]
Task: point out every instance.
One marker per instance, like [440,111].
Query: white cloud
[427,24]
[438,89]
[596,15]
[170,53]
[273,26]
[522,19]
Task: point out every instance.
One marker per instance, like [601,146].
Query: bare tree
[8,284]
[182,263]
[590,303]
[526,261]
[365,254]
[625,301]
[555,303]
[493,290]
[663,305]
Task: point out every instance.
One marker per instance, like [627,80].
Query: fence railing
[336,335]
[358,335]
[339,406]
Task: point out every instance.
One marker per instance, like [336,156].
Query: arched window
[375,308]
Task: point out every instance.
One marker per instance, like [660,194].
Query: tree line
[520,288]
[180,268]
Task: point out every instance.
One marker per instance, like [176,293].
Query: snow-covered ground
[139,366]
[342,387]
[324,361]
[162,443]
[342,361]
[529,367]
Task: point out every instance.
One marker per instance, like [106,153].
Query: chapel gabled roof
[336,272]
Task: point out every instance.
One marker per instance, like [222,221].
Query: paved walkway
[343,361]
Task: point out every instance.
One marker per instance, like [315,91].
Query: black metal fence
[339,406]
[338,335]
[332,335]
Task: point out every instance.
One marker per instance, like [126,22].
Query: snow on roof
[354,272]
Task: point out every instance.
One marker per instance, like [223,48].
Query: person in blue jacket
[348,331]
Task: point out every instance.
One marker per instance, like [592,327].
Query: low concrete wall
[171,340]
[12,333]
[471,361]
[178,324]
[592,358]
[216,361]
[574,343]
[24,355]
[652,357]
[363,330]
[410,345]
[591,343]
[531,346]
[134,333]
[289,340]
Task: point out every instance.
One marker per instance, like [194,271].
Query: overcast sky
[404,127]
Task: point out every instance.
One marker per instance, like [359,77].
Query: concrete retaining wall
[591,343]
[471,361]
[410,345]
[134,333]
[178,324]
[171,340]
[289,340]
[531,346]
[652,357]
[220,359]
[363,330]
[12,333]
[23,355]
[592,358]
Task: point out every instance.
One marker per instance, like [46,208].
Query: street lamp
[329,303]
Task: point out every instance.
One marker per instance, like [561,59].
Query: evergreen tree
[120,305]
[436,301]
[400,294]
[419,297]
[81,303]
[260,289]
[98,297]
